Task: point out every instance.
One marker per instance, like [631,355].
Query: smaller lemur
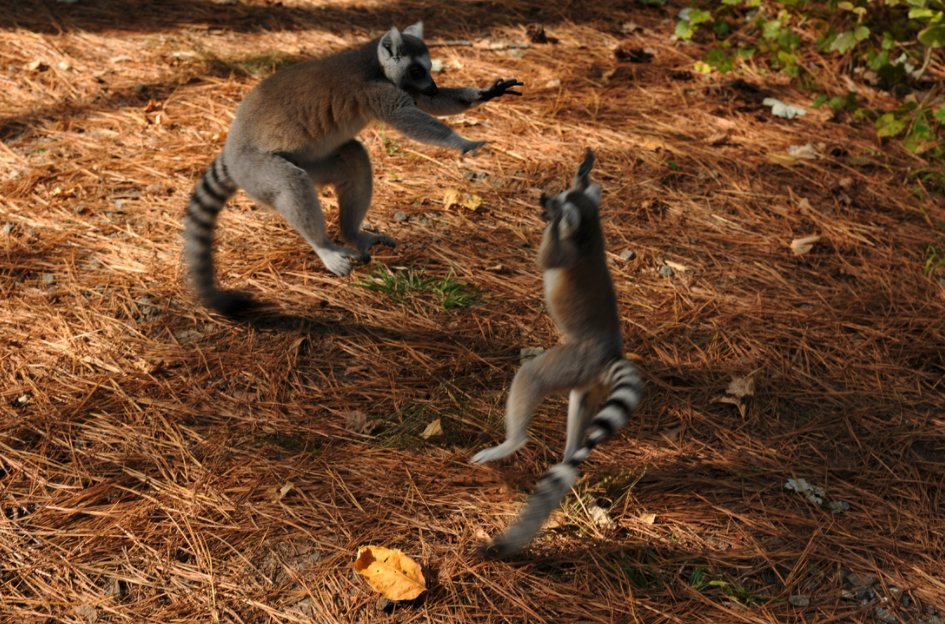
[296,130]
[580,296]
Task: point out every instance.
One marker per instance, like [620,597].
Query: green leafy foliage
[893,39]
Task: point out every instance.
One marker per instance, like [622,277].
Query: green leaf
[878,61]
[722,29]
[845,41]
[819,101]
[698,16]
[861,33]
[888,42]
[746,52]
[933,36]
[846,6]
[684,30]
[940,114]
[771,29]
[921,130]
[920,13]
[888,126]
[720,61]
[731,2]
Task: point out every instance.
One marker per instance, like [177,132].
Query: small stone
[885,615]
[667,271]
[628,255]
[400,216]
[48,278]
[799,601]
[7,229]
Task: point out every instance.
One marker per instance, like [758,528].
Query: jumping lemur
[580,297]
[296,129]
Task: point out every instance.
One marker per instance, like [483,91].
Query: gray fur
[590,365]
[296,130]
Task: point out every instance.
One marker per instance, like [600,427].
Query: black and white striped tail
[206,202]
[625,395]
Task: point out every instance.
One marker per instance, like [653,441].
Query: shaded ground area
[147,446]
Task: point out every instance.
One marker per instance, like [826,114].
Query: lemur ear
[548,204]
[570,220]
[390,44]
[582,177]
[594,193]
[415,30]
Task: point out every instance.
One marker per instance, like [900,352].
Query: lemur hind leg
[271,179]
[560,369]
[348,169]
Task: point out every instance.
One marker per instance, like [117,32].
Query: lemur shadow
[48,16]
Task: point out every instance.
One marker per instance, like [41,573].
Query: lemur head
[406,60]
[577,205]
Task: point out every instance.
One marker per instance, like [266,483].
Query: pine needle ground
[161,464]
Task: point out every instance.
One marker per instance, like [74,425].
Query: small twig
[453,43]
[917,75]
[921,107]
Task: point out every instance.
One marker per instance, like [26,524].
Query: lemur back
[590,364]
[296,130]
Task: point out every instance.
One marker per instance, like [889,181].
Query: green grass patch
[403,285]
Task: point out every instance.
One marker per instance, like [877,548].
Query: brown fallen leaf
[434,430]
[390,572]
[672,434]
[357,421]
[741,387]
[742,408]
[801,246]
[277,495]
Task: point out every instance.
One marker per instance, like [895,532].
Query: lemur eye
[416,72]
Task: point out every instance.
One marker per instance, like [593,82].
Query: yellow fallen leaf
[785,160]
[434,429]
[452,197]
[390,572]
[676,266]
[801,246]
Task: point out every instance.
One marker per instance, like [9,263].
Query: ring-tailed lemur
[296,129]
[580,297]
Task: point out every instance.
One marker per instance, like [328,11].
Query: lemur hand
[499,88]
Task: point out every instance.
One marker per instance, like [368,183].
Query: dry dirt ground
[159,463]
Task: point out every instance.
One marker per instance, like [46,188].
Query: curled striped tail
[209,196]
[626,392]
